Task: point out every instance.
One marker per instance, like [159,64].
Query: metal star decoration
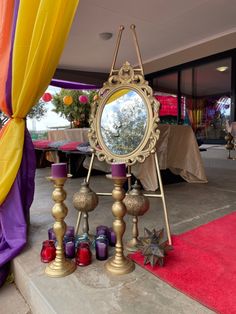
[150,246]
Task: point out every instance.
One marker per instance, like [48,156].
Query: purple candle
[112,237]
[59,170]
[70,249]
[101,230]
[118,170]
[70,232]
[51,235]
[101,250]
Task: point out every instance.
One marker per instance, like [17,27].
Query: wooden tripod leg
[163,200]
[87,181]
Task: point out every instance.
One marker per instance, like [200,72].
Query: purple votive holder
[51,235]
[70,232]
[59,170]
[118,170]
[70,249]
[101,247]
[102,230]
[111,237]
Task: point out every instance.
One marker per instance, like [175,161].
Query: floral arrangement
[74,105]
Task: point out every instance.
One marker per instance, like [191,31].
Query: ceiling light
[105,35]
[222,69]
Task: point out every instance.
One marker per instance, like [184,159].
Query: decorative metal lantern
[137,204]
[85,201]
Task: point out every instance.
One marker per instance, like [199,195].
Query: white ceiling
[163,27]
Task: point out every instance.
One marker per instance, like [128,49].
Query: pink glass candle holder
[59,170]
[118,170]
[83,255]
[48,251]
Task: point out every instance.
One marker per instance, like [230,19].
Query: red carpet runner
[203,264]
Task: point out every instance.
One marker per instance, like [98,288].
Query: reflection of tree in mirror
[123,123]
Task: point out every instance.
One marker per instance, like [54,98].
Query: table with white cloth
[177,150]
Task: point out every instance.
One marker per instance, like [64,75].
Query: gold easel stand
[60,267]
[119,264]
[125,76]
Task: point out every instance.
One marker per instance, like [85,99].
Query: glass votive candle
[102,230]
[81,238]
[70,249]
[111,237]
[101,248]
[83,255]
[48,251]
[70,231]
[51,234]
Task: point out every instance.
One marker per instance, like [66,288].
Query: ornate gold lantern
[85,201]
[137,204]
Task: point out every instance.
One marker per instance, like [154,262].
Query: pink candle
[118,170]
[59,170]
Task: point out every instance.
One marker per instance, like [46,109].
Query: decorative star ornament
[150,246]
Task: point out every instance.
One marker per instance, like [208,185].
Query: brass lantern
[137,204]
[85,201]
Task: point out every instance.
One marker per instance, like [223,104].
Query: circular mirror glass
[123,121]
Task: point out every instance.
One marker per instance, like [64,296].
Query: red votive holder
[48,251]
[59,170]
[83,255]
[118,170]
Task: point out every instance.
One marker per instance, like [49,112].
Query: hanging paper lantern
[47,97]
[83,99]
[95,97]
[67,100]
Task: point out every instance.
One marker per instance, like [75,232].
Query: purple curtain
[13,227]
[73,85]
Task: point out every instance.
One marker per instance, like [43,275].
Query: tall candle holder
[119,264]
[60,267]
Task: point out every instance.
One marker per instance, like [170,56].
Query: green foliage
[77,112]
[37,111]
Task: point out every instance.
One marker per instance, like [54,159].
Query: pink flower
[83,99]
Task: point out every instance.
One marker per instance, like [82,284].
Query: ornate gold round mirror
[122,122]
[124,119]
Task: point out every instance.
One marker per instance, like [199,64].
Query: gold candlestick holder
[60,267]
[119,264]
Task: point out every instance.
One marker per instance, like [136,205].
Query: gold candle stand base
[119,267]
[119,264]
[60,267]
[132,245]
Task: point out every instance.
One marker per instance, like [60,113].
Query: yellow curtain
[41,30]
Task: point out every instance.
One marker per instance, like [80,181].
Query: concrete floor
[91,289]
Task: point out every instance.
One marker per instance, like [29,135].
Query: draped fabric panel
[32,37]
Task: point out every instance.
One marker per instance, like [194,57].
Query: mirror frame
[126,78]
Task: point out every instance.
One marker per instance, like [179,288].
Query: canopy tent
[32,37]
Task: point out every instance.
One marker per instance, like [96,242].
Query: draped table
[177,151]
